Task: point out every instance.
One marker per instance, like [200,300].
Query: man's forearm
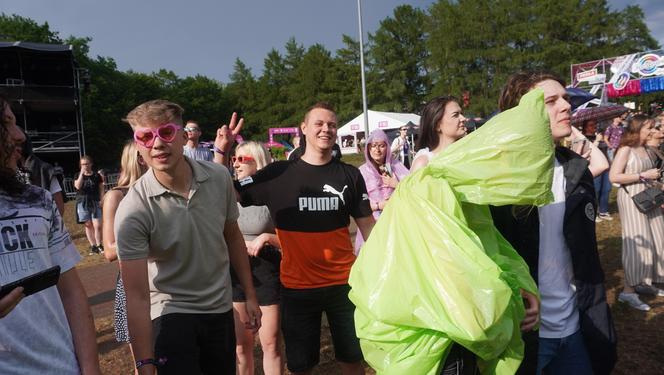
[140,330]
[135,280]
[59,202]
[80,321]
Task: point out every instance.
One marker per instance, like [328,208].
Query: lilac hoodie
[372,177]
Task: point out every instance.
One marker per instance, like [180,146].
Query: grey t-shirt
[35,337]
[198,153]
[182,239]
[254,221]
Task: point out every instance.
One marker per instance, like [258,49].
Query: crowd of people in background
[218,247]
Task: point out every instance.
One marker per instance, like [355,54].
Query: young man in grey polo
[176,232]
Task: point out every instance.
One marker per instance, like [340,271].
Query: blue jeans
[567,355]
[602,190]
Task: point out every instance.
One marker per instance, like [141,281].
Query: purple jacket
[612,136]
[373,178]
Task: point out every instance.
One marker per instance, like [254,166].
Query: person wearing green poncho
[443,123]
[417,293]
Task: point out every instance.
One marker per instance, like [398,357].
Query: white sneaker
[598,219]
[633,300]
[615,185]
[649,290]
[605,216]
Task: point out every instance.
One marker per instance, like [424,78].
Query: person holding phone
[381,172]
[50,331]
[89,194]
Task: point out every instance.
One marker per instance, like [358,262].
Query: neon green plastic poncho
[435,270]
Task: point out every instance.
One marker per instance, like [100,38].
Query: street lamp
[364,84]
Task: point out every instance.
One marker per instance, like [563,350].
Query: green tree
[398,61]
[474,45]
[346,81]
[16,28]
[242,92]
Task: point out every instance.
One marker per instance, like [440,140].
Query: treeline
[450,48]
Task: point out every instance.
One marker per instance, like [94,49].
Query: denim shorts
[86,214]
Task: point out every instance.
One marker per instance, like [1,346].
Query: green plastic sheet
[435,270]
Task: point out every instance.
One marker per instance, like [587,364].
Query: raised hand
[226,134]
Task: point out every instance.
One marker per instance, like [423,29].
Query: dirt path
[640,343]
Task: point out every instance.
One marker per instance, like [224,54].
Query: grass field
[640,349]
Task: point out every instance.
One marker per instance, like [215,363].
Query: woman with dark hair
[58,318]
[558,242]
[89,195]
[11,139]
[642,233]
[442,123]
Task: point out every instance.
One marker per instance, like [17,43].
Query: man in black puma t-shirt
[311,201]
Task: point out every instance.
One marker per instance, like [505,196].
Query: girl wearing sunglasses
[264,252]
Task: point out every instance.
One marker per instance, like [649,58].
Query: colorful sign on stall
[632,74]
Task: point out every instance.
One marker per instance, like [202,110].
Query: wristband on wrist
[150,361]
[218,150]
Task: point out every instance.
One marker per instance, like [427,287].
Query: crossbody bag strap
[657,152]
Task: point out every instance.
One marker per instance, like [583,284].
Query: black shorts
[195,343]
[301,311]
[265,276]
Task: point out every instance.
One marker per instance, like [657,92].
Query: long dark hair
[9,183]
[432,113]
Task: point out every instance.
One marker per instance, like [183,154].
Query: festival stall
[352,132]
[634,74]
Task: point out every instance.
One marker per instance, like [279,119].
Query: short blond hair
[257,151]
[157,111]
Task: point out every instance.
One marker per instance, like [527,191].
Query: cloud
[655,22]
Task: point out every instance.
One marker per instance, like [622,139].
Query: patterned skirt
[120,312]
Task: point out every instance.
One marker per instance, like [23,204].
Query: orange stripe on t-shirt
[315,259]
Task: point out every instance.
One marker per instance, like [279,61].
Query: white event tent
[349,134]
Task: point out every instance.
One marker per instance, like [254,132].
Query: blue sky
[205,36]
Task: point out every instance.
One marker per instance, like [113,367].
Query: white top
[424,152]
[35,337]
[559,313]
[55,186]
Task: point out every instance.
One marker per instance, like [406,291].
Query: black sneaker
[93,250]
[100,248]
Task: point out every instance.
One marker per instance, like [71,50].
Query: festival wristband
[218,150]
[150,361]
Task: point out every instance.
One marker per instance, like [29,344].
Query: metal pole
[364,84]
[79,120]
